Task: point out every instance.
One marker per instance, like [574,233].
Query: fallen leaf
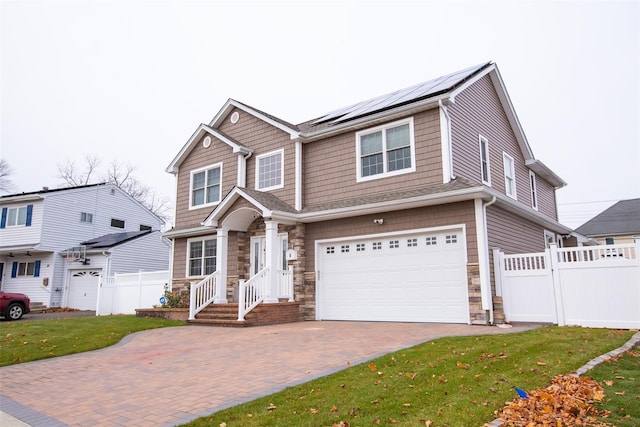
[334,408]
[376,421]
[609,382]
[620,393]
[372,367]
[271,407]
[406,405]
[462,365]
[428,423]
[314,411]
[223,424]
[540,363]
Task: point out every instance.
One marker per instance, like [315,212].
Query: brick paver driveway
[173,375]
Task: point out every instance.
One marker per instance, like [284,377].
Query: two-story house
[55,244]
[386,210]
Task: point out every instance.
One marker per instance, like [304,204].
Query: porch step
[264,314]
[37,307]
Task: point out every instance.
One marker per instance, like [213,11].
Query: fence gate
[594,286]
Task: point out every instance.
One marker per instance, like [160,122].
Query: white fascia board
[543,170]
[231,103]
[374,119]
[22,247]
[510,112]
[21,198]
[471,81]
[528,212]
[395,205]
[187,232]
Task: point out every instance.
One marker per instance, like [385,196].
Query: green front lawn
[620,379]
[29,340]
[457,381]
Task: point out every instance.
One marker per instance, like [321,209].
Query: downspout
[241,179]
[447,156]
[487,278]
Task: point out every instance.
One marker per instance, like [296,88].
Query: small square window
[451,238]
[431,240]
[86,217]
[609,241]
[377,246]
[331,249]
[344,248]
[393,244]
[360,247]
[411,243]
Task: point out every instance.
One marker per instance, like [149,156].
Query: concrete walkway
[169,376]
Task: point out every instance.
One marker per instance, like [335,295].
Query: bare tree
[6,185]
[120,174]
[75,176]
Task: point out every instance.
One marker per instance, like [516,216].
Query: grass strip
[29,340]
[450,382]
[620,378]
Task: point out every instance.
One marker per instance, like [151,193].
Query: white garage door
[83,289]
[418,277]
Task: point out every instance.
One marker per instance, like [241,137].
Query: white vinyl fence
[591,286]
[123,293]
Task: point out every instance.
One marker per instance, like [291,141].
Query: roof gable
[266,204]
[193,140]
[226,109]
[621,218]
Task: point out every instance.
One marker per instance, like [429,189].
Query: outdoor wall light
[378,221]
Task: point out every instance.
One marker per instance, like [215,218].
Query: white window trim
[412,146]
[195,171]
[533,184]
[484,141]
[509,174]
[197,239]
[17,209]
[269,154]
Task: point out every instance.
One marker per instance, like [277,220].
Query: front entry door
[259,253]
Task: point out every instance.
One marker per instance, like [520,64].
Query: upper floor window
[609,241]
[201,257]
[484,160]
[19,216]
[205,186]
[534,190]
[385,150]
[270,171]
[509,176]
[145,227]
[86,217]
[117,223]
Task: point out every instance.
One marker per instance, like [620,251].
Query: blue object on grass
[522,393]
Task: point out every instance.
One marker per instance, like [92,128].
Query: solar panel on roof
[398,97]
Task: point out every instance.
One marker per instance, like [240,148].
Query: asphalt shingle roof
[621,218]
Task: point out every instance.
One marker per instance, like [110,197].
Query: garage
[417,276]
[83,289]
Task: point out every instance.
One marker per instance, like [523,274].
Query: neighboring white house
[113,233]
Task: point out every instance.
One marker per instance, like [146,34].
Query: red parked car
[13,305]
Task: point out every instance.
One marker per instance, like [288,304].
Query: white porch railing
[251,293]
[202,294]
[285,283]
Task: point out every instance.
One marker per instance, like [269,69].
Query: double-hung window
[201,256]
[25,269]
[205,186]
[509,176]
[385,150]
[484,161]
[270,171]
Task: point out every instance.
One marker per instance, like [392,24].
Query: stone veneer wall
[477,314]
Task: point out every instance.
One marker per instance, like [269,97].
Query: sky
[130,81]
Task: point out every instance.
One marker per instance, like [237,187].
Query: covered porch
[255,243]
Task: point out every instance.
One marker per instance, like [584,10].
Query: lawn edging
[633,342]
